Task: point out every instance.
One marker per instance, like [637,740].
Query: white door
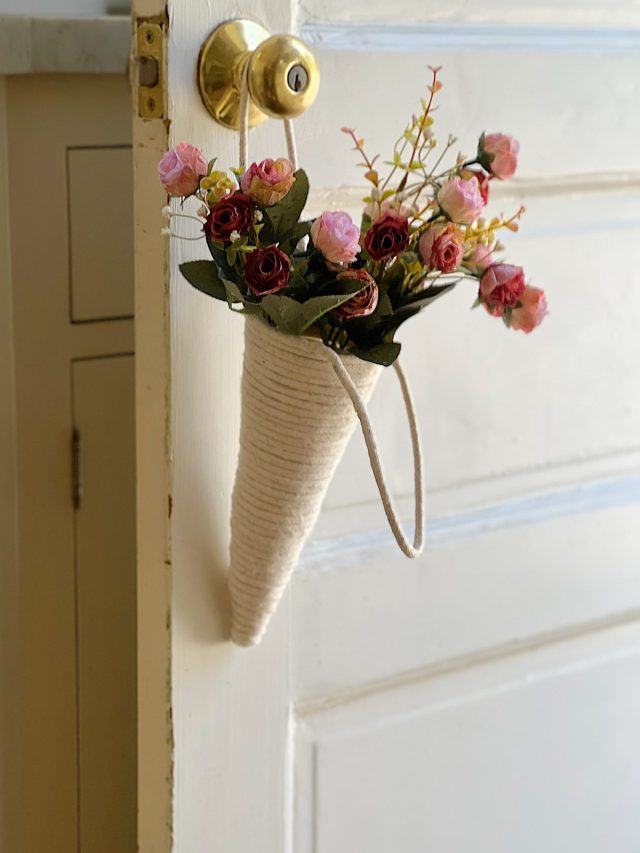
[484,697]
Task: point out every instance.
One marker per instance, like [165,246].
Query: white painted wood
[527,752]
[598,14]
[380,678]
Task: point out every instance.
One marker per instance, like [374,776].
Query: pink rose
[461,200]
[334,234]
[499,151]
[480,257]
[362,303]
[181,168]
[482,179]
[268,182]
[501,287]
[441,247]
[531,312]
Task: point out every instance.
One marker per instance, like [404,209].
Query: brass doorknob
[282,74]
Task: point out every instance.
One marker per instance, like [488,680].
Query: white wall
[71,8]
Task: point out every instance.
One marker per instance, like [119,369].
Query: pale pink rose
[503,154]
[531,312]
[334,234]
[461,200]
[441,247]
[268,182]
[482,179]
[501,287]
[181,168]
[480,257]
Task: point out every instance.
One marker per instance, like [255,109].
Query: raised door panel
[100,232]
[103,402]
[533,752]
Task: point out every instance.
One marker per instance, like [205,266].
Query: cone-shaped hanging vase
[296,421]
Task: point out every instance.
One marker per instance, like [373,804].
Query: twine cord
[243,141]
[411,550]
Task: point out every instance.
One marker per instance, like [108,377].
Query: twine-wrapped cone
[296,421]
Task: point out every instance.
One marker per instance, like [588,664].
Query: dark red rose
[387,237]
[501,286]
[364,302]
[231,213]
[267,270]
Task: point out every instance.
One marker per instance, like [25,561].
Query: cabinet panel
[100,232]
[103,392]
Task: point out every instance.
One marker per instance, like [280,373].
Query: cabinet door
[106,602]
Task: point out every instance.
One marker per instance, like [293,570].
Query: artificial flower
[267,270]
[268,182]
[461,200]
[336,237]
[231,213]
[499,152]
[441,247]
[181,168]
[387,237]
[531,311]
[364,302]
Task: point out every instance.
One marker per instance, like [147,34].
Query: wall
[72,8]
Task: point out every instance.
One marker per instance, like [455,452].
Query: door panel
[100,246]
[524,753]
[482,696]
[103,402]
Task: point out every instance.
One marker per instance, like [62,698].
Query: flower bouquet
[325,297]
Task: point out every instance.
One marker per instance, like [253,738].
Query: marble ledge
[56,45]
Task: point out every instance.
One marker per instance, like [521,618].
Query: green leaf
[220,257]
[295,318]
[281,218]
[315,307]
[300,230]
[233,292]
[284,312]
[385,353]
[204,276]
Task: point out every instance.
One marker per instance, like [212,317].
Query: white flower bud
[167,212]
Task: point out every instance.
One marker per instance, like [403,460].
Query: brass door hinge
[76,469]
[148,68]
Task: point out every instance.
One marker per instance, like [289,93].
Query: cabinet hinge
[76,468]
[147,67]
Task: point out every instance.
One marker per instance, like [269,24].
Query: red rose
[364,302]
[231,213]
[387,237]
[501,286]
[267,270]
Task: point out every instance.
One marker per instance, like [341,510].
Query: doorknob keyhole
[297,78]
